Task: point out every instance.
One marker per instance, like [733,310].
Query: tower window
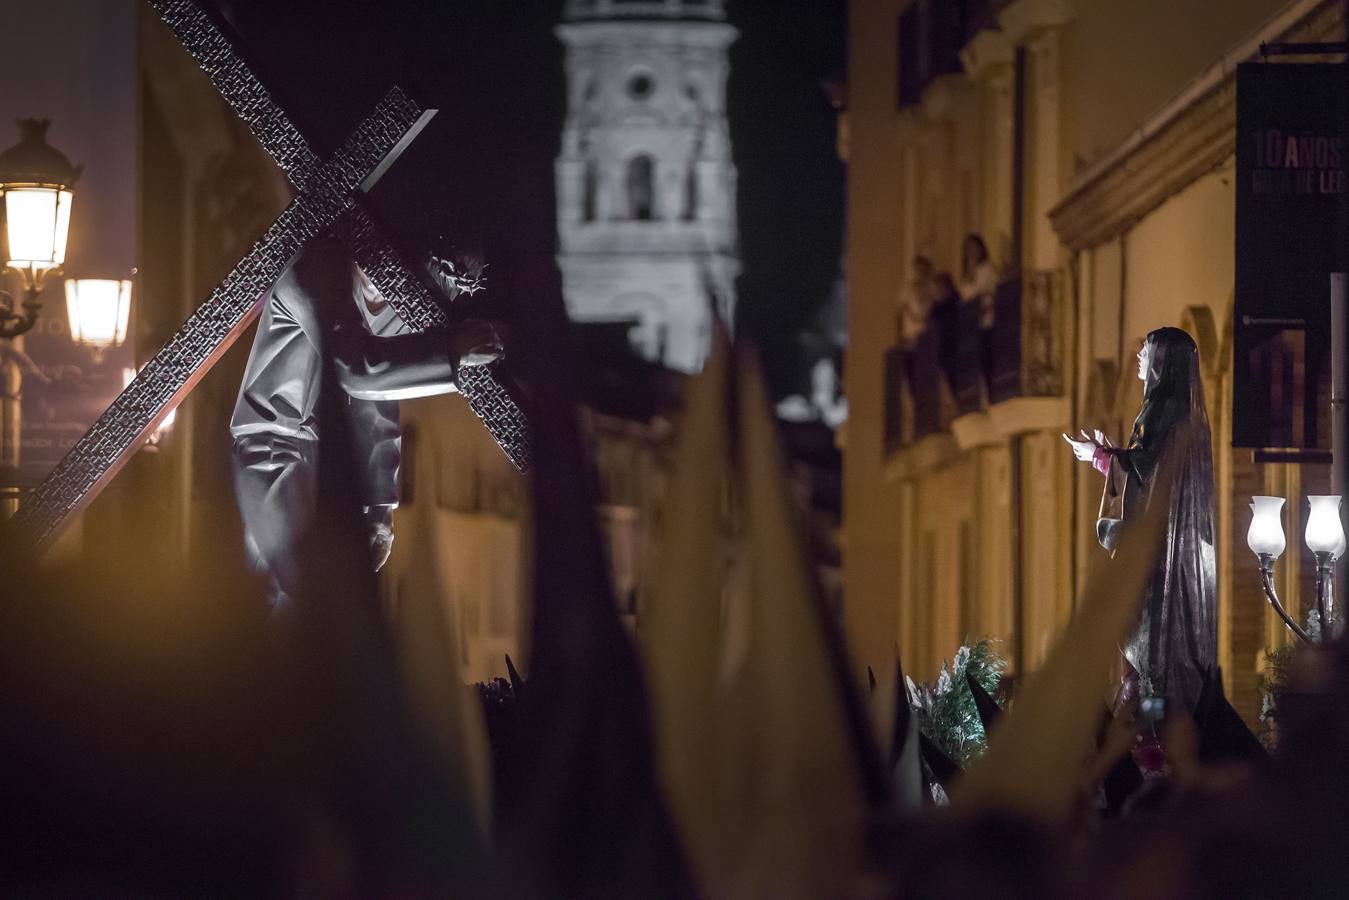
[640,85]
[590,187]
[641,188]
[691,194]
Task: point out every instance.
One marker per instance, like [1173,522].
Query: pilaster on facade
[1044,170]
[909,123]
[947,136]
[1022,19]
[1035,25]
[944,97]
[989,60]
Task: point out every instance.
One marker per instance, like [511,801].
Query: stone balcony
[964,387]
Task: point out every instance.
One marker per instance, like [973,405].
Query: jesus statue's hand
[476,342]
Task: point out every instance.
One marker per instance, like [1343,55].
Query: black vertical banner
[1290,235]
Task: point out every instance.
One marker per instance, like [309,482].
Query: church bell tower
[645,181]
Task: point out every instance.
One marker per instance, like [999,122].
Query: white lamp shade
[98,309]
[1265,536]
[37,223]
[1325,531]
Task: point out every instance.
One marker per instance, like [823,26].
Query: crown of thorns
[462,276]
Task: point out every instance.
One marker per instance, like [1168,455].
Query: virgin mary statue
[1176,638]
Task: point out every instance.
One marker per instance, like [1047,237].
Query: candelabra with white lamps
[1324,537]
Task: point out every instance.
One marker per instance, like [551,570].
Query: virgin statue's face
[1144,361]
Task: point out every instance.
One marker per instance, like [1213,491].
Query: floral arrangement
[945,708]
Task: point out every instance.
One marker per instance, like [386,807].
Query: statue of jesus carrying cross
[379,360]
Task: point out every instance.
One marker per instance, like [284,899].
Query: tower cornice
[591,10]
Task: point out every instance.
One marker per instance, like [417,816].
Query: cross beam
[326,194]
[215,48]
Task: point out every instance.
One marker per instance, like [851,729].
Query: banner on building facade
[1290,235]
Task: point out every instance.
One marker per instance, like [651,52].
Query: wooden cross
[328,196]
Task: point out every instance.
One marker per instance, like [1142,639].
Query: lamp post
[1324,537]
[35,187]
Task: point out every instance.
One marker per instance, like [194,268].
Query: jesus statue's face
[1144,361]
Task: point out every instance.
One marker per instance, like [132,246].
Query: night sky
[481,177]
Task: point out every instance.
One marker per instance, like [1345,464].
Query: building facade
[1091,145]
[645,180]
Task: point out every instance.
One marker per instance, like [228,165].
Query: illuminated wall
[1103,134]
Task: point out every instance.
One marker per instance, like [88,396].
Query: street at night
[674,448]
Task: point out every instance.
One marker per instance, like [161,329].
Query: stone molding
[1190,137]
[1021,19]
[705,35]
[974,430]
[1003,421]
[987,52]
[931,452]
[1024,414]
[943,94]
[996,425]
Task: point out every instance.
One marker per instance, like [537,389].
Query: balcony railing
[1027,358]
[956,368]
[968,381]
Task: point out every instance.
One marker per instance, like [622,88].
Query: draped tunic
[1175,638]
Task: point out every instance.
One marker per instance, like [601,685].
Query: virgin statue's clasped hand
[1085,449]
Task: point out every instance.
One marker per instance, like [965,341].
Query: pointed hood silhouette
[767,752]
[591,820]
[985,705]
[943,768]
[1223,734]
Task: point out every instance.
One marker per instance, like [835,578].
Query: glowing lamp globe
[35,185]
[98,309]
[1325,531]
[1265,536]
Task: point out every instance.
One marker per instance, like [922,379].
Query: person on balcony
[1175,642]
[946,319]
[978,286]
[916,301]
[978,278]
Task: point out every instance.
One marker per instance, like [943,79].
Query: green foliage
[945,708]
[1278,668]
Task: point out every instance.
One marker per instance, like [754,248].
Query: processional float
[329,197]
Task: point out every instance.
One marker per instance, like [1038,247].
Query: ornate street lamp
[98,309]
[35,186]
[1325,538]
